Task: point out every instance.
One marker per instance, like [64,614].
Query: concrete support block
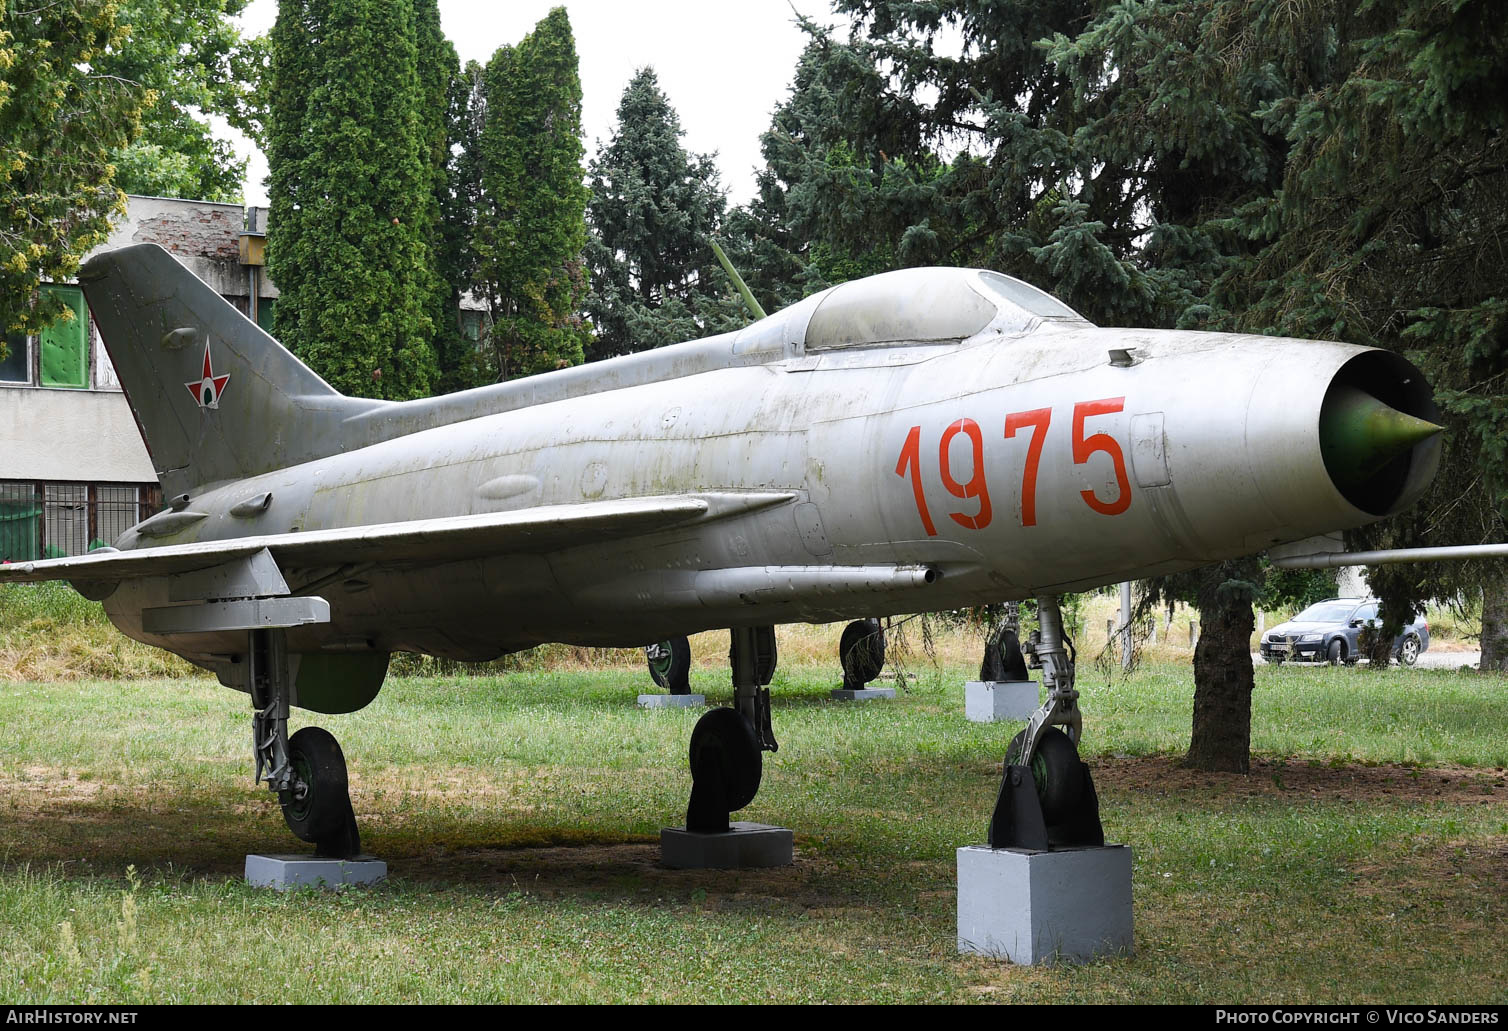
[286,872]
[1044,907]
[999,701]
[746,846]
[672,701]
[844,694]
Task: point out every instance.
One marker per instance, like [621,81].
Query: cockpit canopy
[908,306]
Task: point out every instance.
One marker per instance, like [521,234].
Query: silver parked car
[1327,632]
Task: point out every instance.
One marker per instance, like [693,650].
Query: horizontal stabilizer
[429,541]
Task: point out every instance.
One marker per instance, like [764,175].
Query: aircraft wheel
[1056,769]
[724,749]
[1003,659]
[670,665]
[861,651]
[318,808]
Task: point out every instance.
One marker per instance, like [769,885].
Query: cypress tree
[352,195]
[531,225]
[446,216]
[655,280]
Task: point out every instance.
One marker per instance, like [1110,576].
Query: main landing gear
[727,744]
[670,665]
[861,652]
[1047,799]
[307,771]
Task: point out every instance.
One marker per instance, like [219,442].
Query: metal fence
[50,520]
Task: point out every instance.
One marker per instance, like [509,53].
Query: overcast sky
[724,66]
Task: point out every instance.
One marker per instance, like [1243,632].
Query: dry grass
[49,633]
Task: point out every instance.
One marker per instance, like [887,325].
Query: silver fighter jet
[920,440]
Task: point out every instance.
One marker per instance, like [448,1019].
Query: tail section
[214,396]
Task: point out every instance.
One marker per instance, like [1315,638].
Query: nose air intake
[1377,432]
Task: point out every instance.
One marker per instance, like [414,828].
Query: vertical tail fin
[215,398]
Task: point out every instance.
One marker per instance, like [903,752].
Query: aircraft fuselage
[1005,467]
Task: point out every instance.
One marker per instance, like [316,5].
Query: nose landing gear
[307,771]
[1047,798]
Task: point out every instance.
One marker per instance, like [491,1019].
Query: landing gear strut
[1047,797]
[308,772]
[727,744]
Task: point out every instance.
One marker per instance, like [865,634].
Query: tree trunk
[1377,644]
[1494,624]
[1223,682]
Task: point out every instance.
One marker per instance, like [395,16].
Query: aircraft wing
[453,538]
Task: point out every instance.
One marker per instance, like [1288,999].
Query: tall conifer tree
[352,195]
[531,227]
[655,280]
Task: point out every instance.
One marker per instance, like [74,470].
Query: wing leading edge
[447,539]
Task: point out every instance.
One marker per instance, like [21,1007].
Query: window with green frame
[15,367]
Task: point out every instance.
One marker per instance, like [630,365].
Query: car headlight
[1310,637]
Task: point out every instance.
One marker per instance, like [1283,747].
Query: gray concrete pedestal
[844,694]
[999,701]
[672,701]
[1036,908]
[745,846]
[287,872]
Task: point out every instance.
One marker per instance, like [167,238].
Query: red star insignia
[208,388]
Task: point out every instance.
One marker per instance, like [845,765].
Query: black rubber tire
[1003,659]
[861,651]
[1335,654]
[1407,655]
[723,736]
[1057,772]
[673,673]
[317,761]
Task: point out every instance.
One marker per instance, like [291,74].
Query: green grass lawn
[1365,859]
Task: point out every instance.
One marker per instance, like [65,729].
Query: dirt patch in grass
[1276,778]
[44,783]
[1484,864]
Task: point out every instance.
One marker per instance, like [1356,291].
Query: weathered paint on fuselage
[1218,457]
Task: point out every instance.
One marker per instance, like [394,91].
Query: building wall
[203,235]
[82,435]
[74,471]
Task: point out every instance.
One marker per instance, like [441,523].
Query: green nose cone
[1360,434]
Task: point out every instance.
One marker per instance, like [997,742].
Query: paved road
[1429,660]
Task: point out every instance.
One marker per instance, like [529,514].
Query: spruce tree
[1385,230]
[1097,153]
[352,195]
[531,225]
[655,280]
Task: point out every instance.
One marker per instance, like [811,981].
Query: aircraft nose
[1360,434]
[1378,432]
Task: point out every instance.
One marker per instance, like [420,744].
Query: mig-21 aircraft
[925,439]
